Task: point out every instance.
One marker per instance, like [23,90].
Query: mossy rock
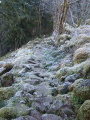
[13,112]
[81,54]
[6,93]
[7,80]
[81,89]
[84,111]
[83,69]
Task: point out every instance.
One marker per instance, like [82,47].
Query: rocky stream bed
[48,80]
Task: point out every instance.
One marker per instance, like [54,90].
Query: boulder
[50,117]
[6,93]
[72,78]
[83,69]
[64,88]
[28,88]
[81,54]
[39,107]
[78,41]
[84,111]
[26,118]
[55,107]
[13,112]
[36,114]
[81,89]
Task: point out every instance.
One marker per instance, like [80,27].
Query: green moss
[84,111]
[82,68]
[6,93]
[8,112]
[81,89]
[76,101]
[13,112]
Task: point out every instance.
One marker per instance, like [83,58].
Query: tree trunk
[63,16]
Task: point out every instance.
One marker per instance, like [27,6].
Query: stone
[83,69]
[7,79]
[6,93]
[81,89]
[54,91]
[46,101]
[64,88]
[55,107]
[51,117]
[39,107]
[72,78]
[36,114]
[78,40]
[33,81]
[81,54]
[13,112]
[26,118]
[18,94]
[84,111]
[28,88]
[68,111]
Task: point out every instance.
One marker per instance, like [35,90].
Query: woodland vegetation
[23,20]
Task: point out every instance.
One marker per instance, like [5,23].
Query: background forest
[23,20]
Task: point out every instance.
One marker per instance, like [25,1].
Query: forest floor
[30,88]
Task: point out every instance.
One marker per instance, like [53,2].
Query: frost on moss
[13,112]
[81,89]
[6,93]
[82,68]
[84,111]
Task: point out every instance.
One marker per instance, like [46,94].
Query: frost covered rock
[64,88]
[13,112]
[81,89]
[28,88]
[50,117]
[83,69]
[84,111]
[81,54]
[26,118]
